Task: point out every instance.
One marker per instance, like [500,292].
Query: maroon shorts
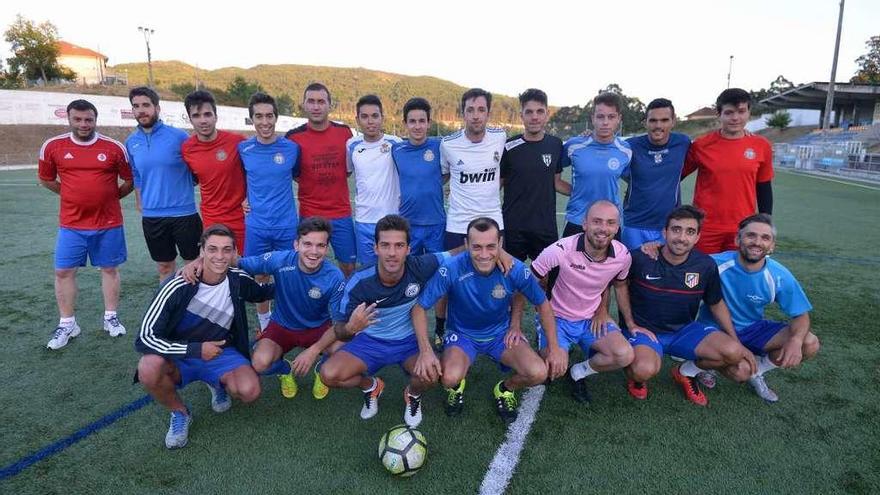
[289,339]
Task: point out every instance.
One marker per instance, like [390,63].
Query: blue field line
[52,449]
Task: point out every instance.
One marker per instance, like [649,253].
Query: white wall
[798,118]
[38,107]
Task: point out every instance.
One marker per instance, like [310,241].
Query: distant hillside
[346,84]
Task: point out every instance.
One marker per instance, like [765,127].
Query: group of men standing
[467,262]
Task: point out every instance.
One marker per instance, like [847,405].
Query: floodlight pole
[147,32]
[829,100]
[729,70]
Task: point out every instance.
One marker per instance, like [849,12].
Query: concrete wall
[47,108]
[89,70]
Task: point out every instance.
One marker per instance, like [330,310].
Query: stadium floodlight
[829,100]
[147,32]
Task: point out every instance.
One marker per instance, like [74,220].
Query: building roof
[812,95]
[703,113]
[69,49]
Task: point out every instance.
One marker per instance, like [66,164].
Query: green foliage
[779,120]
[35,51]
[239,91]
[286,105]
[570,121]
[183,89]
[9,79]
[778,86]
[869,63]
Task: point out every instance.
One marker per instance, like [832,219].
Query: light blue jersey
[269,170]
[479,305]
[595,170]
[160,175]
[748,293]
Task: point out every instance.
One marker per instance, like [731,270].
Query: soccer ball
[403,450]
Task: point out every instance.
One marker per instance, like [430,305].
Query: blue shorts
[633,237]
[210,372]
[378,353]
[104,248]
[366,240]
[493,348]
[571,332]
[259,241]
[681,344]
[343,240]
[756,335]
[424,239]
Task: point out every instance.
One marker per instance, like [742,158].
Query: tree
[9,79]
[869,63]
[239,91]
[35,51]
[285,105]
[779,120]
[780,85]
[569,121]
[183,89]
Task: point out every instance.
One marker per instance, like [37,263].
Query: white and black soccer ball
[403,450]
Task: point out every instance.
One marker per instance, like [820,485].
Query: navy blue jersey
[302,300]
[421,181]
[393,304]
[654,176]
[666,297]
[479,305]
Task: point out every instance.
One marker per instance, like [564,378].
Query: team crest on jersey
[442,271]
[749,154]
[613,163]
[691,279]
[412,290]
[385,148]
[428,156]
[658,158]
[547,159]
[496,157]
[267,256]
[220,155]
[498,292]
[315,293]
[278,159]
[102,157]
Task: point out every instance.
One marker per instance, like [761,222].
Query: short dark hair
[416,103]
[82,106]
[482,224]
[392,222]
[476,93]
[756,218]
[532,94]
[733,96]
[684,212]
[659,103]
[313,224]
[260,97]
[608,99]
[198,98]
[216,229]
[316,86]
[144,91]
[367,100]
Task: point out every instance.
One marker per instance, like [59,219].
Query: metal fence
[846,158]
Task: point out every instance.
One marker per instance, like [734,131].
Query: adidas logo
[460,162]
[68,156]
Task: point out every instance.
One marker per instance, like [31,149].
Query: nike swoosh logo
[648,277]
[380,300]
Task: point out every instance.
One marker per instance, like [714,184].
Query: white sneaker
[412,413]
[371,400]
[62,335]
[113,326]
[762,390]
[220,400]
[178,430]
[578,371]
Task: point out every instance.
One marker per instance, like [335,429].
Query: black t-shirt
[528,169]
[666,297]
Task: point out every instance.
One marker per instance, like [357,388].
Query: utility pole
[829,101]
[729,70]
[147,32]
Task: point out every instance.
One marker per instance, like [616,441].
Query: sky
[674,49]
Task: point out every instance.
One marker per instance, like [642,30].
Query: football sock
[765,364]
[371,387]
[109,314]
[503,388]
[264,319]
[689,369]
[439,326]
[582,370]
[67,322]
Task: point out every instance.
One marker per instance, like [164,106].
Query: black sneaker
[579,391]
[455,400]
[505,404]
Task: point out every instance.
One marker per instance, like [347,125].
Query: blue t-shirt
[665,297]
[160,174]
[393,304]
[302,300]
[269,170]
[421,181]
[595,170]
[748,293]
[654,176]
[479,305]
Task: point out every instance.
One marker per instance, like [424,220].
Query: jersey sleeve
[336,297]
[690,162]
[713,292]
[505,164]
[444,159]
[438,286]
[349,147]
[623,274]
[123,168]
[349,300]
[564,158]
[765,170]
[549,259]
[790,296]
[47,169]
[526,284]
[562,153]
[134,170]
[296,161]
[263,263]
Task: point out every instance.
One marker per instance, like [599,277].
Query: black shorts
[522,244]
[453,240]
[163,234]
[572,229]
